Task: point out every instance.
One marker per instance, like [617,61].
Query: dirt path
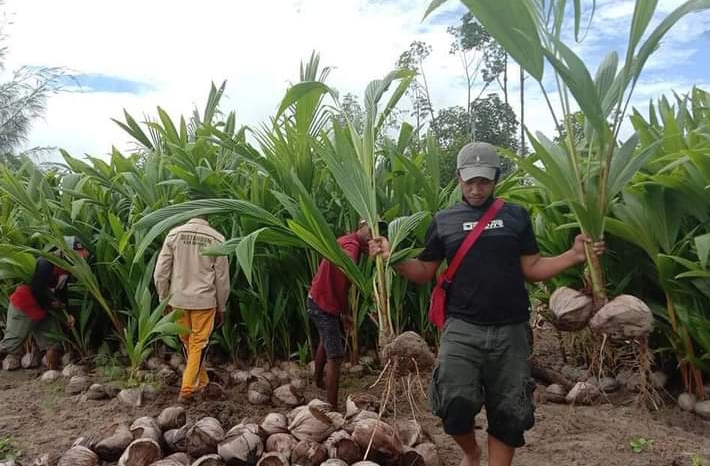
[40,418]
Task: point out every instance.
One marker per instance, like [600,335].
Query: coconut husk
[274,423]
[77,384]
[334,462]
[259,391]
[340,445]
[176,439]
[131,396]
[287,395]
[624,317]
[172,417]
[360,416]
[409,432]
[11,362]
[112,445]
[384,437]
[96,392]
[296,371]
[209,460]
[571,309]
[146,427]
[204,436]
[429,453]
[273,458]
[78,456]
[31,360]
[241,428]
[240,377]
[411,457]
[70,370]
[308,453]
[310,422]
[365,463]
[281,375]
[154,363]
[281,443]
[357,402]
[257,371]
[409,353]
[176,459]
[141,452]
[298,383]
[50,376]
[271,378]
[242,449]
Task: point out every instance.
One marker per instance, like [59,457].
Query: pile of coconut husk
[309,435]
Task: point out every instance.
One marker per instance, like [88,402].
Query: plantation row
[281,193]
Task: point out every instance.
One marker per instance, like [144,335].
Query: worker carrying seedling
[32,308]
[198,286]
[327,309]
[486,339]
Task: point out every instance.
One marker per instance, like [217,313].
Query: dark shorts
[328,326]
[485,366]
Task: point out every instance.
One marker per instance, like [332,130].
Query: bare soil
[40,418]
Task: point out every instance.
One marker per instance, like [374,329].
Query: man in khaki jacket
[198,285]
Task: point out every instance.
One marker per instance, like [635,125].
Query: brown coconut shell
[209,460]
[409,353]
[141,452]
[176,459]
[429,453]
[78,456]
[287,395]
[411,457]
[341,446]
[313,424]
[624,317]
[146,427]
[172,417]
[308,453]
[246,448]
[274,423]
[273,458]
[384,437]
[571,309]
[259,391]
[176,439]
[282,443]
[112,446]
[409,432]
[204,436]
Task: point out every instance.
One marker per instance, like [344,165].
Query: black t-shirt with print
[489,287]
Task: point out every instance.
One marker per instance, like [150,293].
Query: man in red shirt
[29,306]
[328,305]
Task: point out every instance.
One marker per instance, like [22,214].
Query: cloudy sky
[137,54]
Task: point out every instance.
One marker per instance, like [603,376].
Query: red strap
[472,238]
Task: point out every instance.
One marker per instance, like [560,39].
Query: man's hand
[218,319]
[379,246]
[578,247]
[347,322]
[71,321]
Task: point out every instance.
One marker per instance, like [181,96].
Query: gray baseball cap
[477,159]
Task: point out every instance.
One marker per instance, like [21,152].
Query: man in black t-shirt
[487,340]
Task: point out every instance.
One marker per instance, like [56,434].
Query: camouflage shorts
[487,366]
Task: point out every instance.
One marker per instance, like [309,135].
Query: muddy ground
[39,418]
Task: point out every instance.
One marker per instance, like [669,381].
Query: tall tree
[482,58]
[23,98]
[495,122]
[422,108]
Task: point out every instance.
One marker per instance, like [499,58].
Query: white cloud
[179,46]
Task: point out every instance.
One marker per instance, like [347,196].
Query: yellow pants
[200,322]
